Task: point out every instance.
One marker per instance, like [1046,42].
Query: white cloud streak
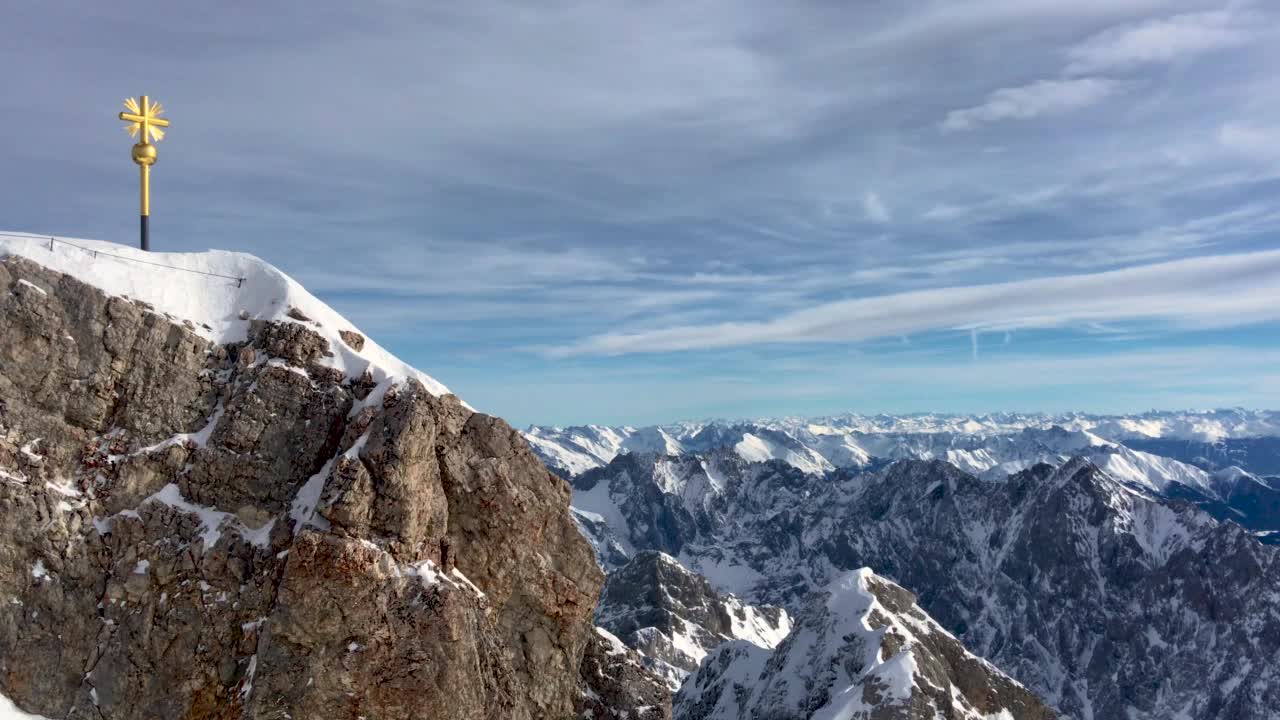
[1043,97]
[1163,40]
[1092,64]
[1202,292]
[1250,140]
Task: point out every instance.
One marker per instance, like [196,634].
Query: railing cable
[51,240]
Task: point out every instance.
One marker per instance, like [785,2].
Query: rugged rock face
[673,617]
[861,650]
[193,530]
[616,685]
[668,496]
[1100,597]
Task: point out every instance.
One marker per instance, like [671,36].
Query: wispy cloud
[1095,64]
[1213,291]
[1043,97]
[1250,140]
[1163,40]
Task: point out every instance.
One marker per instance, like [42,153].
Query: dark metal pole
[146,233]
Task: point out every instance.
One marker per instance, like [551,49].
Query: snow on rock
[303,509]
[759,627]
[212,521]
[28,451]
[574,450]
[616,685]
[198,438]
[9,711]
[861,648]
[615,646]
[757,448]
[653,440]
[673,617]
[219,292]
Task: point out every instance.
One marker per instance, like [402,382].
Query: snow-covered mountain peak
[1120,509]
[860,648]
[219,293]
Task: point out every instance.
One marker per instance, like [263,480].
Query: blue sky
[627,212]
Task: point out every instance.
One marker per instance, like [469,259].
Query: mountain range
[1110,581]
[1224,460]
[1213,438]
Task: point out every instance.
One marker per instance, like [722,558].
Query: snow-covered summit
[861,648]
[220,293]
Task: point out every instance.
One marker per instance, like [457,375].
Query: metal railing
[50,241]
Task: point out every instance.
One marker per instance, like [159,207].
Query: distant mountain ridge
[1147,451]
[822,443]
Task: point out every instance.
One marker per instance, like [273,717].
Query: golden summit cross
[144,116]
[145,123]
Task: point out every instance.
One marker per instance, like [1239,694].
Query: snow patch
[9,711]
[200,437]
[429,574]
[211,521]
[616,646]
[29,452]
[64,490]
[303,510]
[27,283]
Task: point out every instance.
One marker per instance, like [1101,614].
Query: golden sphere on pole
[144,154]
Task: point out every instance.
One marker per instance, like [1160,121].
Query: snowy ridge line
[96,253]
[265,294]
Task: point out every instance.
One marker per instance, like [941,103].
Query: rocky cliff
[618,686]
[268,521]
[673,617]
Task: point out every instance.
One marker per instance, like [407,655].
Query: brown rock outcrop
[192,530]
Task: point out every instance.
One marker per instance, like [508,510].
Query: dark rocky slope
[617,686]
